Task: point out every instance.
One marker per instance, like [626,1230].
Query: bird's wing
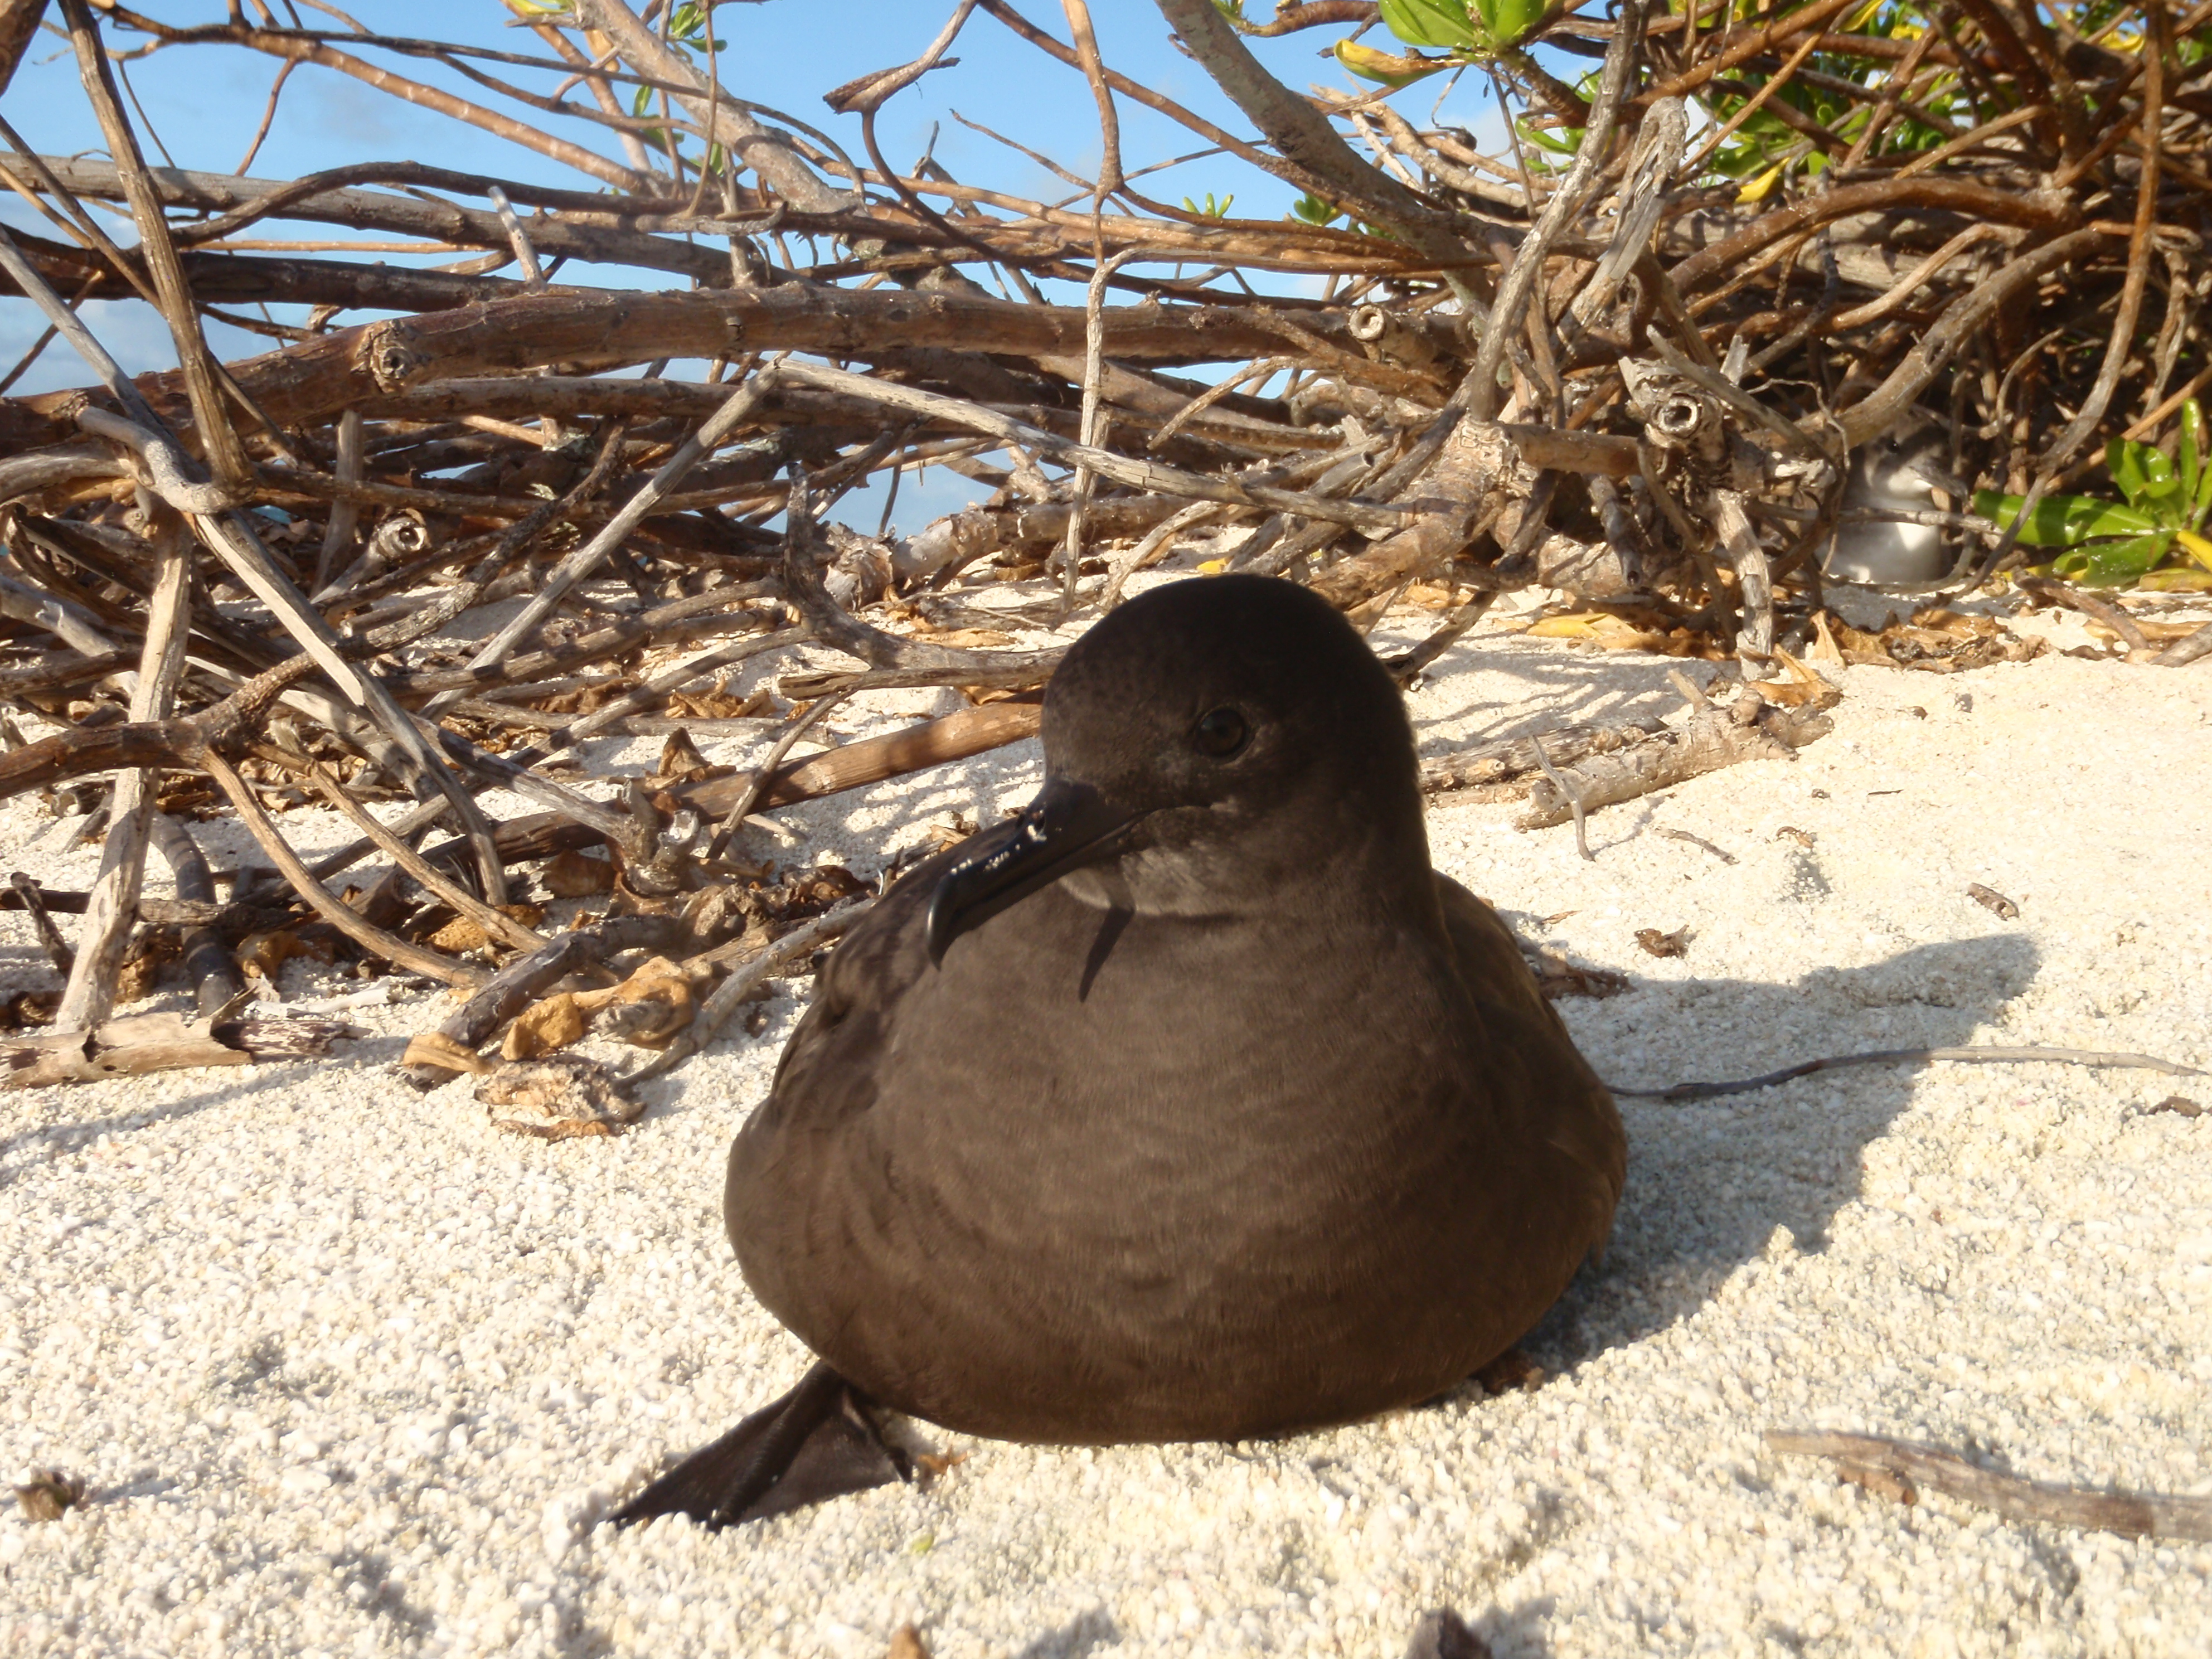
[1581,1122]
[875,962]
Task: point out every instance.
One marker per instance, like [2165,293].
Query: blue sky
[204,103]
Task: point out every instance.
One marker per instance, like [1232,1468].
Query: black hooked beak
[1067,826]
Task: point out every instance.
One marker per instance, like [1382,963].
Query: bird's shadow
[1710,1181]
[1082,1636]
[1498,1634]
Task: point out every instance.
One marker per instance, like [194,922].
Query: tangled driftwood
[1638,369]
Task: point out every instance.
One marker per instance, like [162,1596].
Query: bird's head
[1203,744]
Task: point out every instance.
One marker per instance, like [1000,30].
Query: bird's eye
[1220,733]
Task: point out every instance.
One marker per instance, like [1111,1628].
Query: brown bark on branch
[1514,760]
[138,1044]
[589,332]
[1712,738]
[871,760]
[2131,1515]
[299,48]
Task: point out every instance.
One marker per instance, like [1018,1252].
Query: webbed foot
[816,1442]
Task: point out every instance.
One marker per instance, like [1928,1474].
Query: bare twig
[1724,856]
[756,786]
[498,923]
[1681,1091]
[1712,740]
[1479,392]
[90,994]
[343,917]
[524,255]
[588,558]
[219,442]
[732,991]
[50,937]
[1572,796]
[2131,1515]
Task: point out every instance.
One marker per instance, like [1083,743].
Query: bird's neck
[1364,869]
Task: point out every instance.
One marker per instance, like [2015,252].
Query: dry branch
[137,1044]
[2131,1515]
[498,999]
[1636,372]
[1712,738]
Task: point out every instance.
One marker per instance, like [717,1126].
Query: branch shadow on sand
[41,1134]
[1710,1181]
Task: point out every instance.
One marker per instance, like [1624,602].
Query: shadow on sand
[1710,1181]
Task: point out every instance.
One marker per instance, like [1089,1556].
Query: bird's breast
[1146,1179]
[1164,1108]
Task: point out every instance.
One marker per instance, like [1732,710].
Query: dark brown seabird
[1192,1104]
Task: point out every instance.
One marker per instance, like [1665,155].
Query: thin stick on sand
[2131,1515]
[2090,1057]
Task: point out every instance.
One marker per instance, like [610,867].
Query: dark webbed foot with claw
[816,1442]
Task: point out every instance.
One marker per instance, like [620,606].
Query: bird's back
[1160,1177]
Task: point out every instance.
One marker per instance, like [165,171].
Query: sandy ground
[349,1372]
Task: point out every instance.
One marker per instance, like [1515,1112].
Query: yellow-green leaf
[1761,187]
[1389,68]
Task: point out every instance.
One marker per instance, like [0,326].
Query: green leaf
[2145,476]
[1314,210]
[2193,442]
[1430,23]
[2120,564]
[1507,21]
[2191,453]
[2064,521]
[1543,139]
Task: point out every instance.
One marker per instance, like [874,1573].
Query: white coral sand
[350,1372]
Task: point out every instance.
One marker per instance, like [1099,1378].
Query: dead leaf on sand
[577,875]
[1626,630]
[1557,977]
[558,1098]
[1990,899]
[260,955]
[1799,688]
[681,763]
[465,935]
[436,1048]
[543,1028]
[651,1007]
[1938,641]
[49,1494]
[1882,1483]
